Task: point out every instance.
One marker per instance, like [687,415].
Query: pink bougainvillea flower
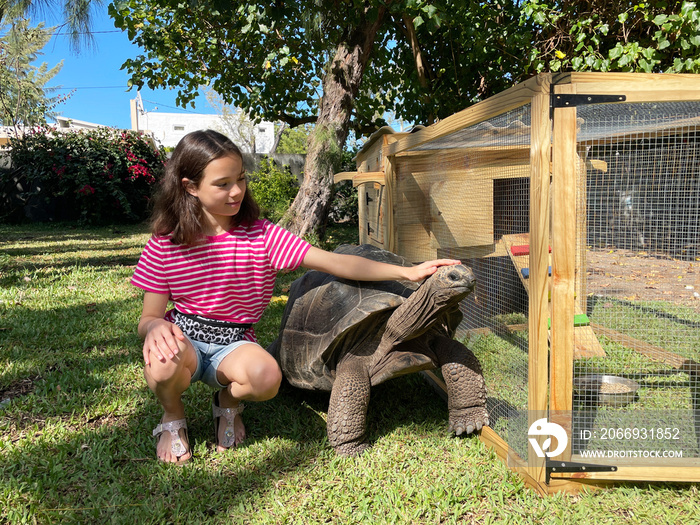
[87,189]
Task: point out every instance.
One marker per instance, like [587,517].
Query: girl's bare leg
[168,380]
[251,374]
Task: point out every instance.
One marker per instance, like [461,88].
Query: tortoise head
[448,285]
[435,298]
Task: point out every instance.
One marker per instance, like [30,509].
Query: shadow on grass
[35,339]
[73,455]
[107,465]
[78,447]
[59,232]
[404,404]
[77,442]
[597,302]
[105,258]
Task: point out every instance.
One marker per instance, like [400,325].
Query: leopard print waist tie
[208,330]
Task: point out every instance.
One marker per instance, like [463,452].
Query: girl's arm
[160,336]
[361,269]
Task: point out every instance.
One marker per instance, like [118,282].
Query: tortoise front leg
[466,389]
[347,411]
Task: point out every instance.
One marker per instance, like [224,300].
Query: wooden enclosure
[533,188]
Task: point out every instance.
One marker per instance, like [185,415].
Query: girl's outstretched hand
[428,268]
[361,269]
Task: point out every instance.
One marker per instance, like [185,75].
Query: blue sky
[100,88]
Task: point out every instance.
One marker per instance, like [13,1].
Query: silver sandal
[229,414]
[177,447]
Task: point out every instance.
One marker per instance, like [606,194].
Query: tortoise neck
[412,318]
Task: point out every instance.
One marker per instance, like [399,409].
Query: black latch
[571,467]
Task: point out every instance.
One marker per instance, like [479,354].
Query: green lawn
[76,420]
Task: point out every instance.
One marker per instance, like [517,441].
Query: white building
[168,128]
[62,124]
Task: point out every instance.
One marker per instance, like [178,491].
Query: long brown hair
[175,210]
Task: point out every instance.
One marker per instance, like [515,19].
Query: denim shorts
[209,357]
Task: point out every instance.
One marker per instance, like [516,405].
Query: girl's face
[220,191]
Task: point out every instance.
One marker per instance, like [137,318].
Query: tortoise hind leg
[347,411]
[466,389]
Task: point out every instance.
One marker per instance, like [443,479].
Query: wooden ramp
[586,343]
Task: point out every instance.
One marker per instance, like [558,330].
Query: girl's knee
[157,373]
[265,379]
[251,372]
[160,372]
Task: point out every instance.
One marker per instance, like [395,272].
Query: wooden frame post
[564,176]
[390,237]
[538,347]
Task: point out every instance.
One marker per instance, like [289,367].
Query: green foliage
[92,176]
[259,59]
[23,97]
[77,16]
[254,53]
[344,201]
[294,140]
[273,189]
[344,65]
[647,37]
[471,49]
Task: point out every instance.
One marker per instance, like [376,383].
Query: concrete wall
[294,162]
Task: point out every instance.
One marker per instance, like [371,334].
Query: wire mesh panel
[624,265]
[637,400]
[466,196]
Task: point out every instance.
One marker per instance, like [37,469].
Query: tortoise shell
[326,317]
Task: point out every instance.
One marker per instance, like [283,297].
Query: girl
[216,261]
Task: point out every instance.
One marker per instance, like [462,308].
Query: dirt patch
[21,387]
[639,276]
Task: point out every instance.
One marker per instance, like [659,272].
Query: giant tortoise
[345,336]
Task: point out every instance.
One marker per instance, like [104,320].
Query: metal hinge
[571,467]
[569,100]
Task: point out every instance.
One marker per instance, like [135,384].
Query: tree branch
[296,121]
[425,73]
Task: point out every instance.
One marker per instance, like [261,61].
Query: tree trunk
[309,211]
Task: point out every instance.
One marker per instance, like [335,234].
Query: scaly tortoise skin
[345,336]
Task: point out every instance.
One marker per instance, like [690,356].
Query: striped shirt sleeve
[149,273]
[285,250]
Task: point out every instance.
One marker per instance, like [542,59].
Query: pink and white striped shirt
[230,277]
